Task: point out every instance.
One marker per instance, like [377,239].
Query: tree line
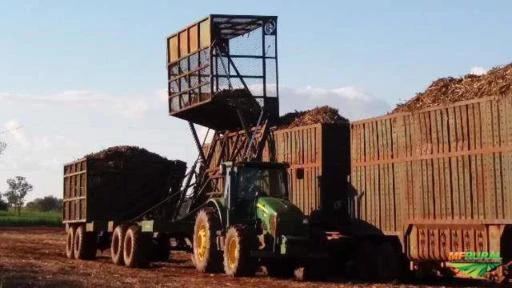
[18,188]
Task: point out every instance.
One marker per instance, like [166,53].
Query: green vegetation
[29,217]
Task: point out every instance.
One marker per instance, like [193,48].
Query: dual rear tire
[130,247]
[80,244]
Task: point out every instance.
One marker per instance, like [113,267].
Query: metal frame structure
[203,60]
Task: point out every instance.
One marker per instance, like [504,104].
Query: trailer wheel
[366,266]
[312,270]
[161,247]
[84,246]
[70,242]
[388,262]
[135,248]
[116,247]
[238,244]
[206,257]
[280,269]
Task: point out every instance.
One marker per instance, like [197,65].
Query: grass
[30,218]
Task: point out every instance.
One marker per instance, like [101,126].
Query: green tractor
[254,224]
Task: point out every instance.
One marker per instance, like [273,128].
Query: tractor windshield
[256,181]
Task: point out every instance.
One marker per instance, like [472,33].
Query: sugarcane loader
[239,215]
[253,223]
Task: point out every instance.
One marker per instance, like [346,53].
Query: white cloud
[130,107]
[352,92]
[14,128]
[45,142]
[477,70]
[352,102]
[135,108]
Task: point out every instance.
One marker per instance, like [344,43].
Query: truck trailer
[439,179]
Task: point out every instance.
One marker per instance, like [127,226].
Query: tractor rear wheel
[70,242]
[116,246]
[206,257]
[239,242]
[135,247]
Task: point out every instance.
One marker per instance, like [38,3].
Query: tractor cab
[256,194]
[248,184]
[246,181]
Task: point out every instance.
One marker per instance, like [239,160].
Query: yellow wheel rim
[232,250]
[201,242]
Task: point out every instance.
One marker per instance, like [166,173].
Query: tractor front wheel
[239,242]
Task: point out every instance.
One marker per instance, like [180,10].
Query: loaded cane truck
[222,74]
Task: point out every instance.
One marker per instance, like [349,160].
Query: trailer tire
[70,241]
[161,247]
[116,245]
[388,262]
[239,242]
[280,269]
[366,266]
[206,256]
[135,247]
[84,244]
[312,270]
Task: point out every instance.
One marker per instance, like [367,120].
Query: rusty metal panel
[507,158]
[193,36]
[183,43]
[204,33]
[172,49]
[451,167]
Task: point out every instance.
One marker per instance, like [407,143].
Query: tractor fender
[219,207]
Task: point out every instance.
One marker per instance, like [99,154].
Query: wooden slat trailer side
[439,179]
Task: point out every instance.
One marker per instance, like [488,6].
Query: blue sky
[79,76]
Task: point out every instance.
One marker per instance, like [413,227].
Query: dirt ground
[34,257]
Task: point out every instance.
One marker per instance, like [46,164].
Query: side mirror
[299,173]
